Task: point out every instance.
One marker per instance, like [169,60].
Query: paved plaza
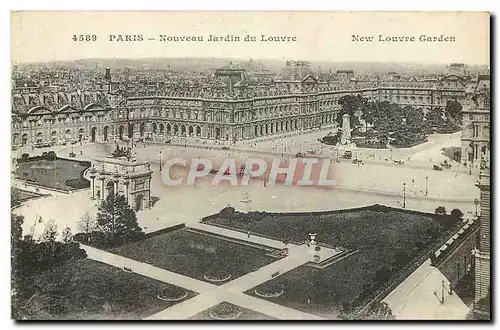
[378,181]
[371,183]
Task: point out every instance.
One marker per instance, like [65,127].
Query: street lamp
[426,184]
[476,202]
[404,195]
[160,160]
[93,172]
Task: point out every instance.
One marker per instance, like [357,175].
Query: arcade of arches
[217,131]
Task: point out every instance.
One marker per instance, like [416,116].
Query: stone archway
[183,130]
[142,127]
[121,131]
[190,130]
[39,137]
[154,128]
[162,128]
[24,139]
[81,132]
[130,131]
[110,187]
[53,136]
[93,134]
[176,129]
[198,131]
[67,134]
[15,139]
[138,202]
[106,132]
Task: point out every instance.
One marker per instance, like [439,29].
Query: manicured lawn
[246,314]
[54,174]
[195,255]
[322,291]
[388,241]
[17,196]
[382,231]
[87,289]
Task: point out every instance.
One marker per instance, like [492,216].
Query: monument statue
[345,138]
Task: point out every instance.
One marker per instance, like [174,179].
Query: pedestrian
[248,234]
[81,152]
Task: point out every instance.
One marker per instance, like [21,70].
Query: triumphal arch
[123,175]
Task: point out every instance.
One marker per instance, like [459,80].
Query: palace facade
[476,121]
[235,105]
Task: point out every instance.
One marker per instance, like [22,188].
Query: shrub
[25,156]
[77,183]
[456,214]
[51,155]
[440,210]
[227,212]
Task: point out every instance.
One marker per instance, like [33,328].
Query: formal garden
[52,172]
[380,125]
[206,258]
[88,289]
[388,242]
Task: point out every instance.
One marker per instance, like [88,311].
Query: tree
[51,155]
[440,210]
[453,110]
[379,311]
[49,232]
[118,221]
[349,105]
[87,224]
[67,236]
[30,258]
[16,229]
[456,214]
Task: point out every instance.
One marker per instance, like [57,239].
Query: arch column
[102,196]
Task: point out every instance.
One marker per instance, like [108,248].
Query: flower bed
[217,275]
[172,293]
[225,311]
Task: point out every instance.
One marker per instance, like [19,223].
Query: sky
[42,36]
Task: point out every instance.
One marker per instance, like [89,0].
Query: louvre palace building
[231,104]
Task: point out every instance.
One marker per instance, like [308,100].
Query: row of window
[61,121]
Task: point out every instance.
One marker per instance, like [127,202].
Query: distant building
[476,121]
[459,69]
[232,105]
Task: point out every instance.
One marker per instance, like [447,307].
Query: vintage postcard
[250,165]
